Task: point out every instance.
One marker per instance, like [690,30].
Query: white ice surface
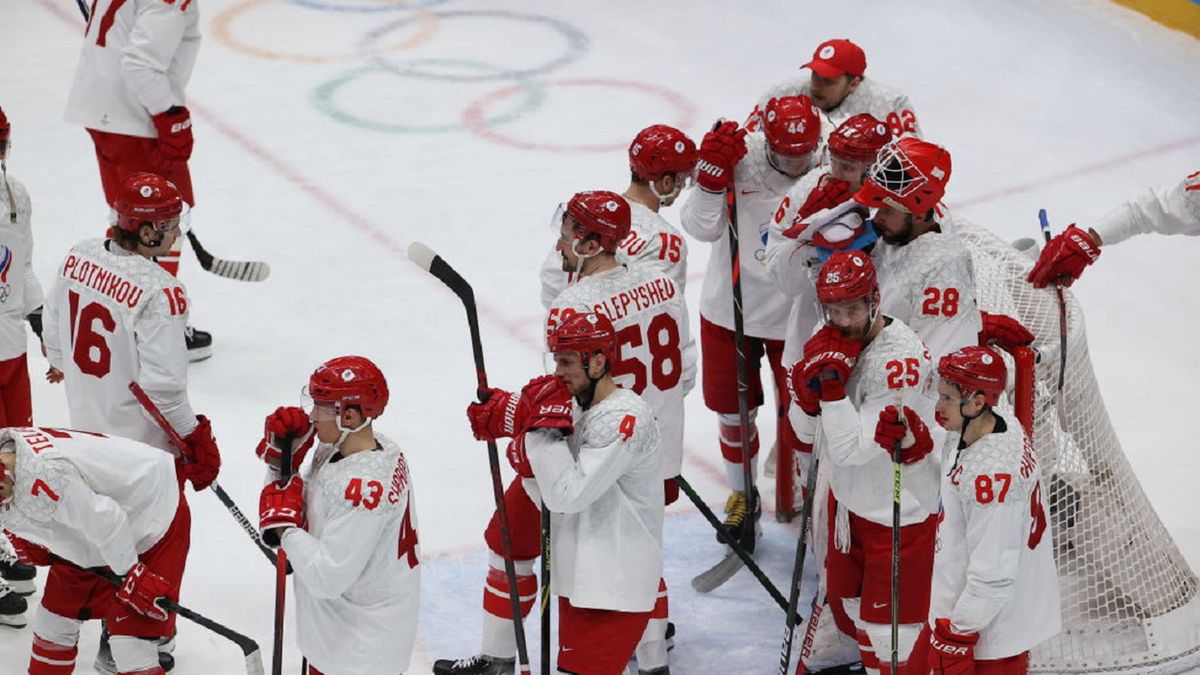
[1067,105]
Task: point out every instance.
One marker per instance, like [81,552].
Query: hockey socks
[498,637]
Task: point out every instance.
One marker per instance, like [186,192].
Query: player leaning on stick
[867,380]
[95,501]
[348,526]
[995,587]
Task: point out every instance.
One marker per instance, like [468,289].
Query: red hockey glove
[285,422]
[889,431]
[829,194]
[802,394]
[517,458]
[949,652]
[174,126]
[828,359]
[280,507]
[142,589]
[203,458]
[29,552]
[1064,258]
[1005,331]
[501,415]
[720,151]
[549,403]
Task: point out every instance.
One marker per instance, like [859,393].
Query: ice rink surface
[332,133]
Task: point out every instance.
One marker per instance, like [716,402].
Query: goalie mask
[909,174]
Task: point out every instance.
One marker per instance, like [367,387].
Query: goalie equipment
[350,381]
[909,174]
[659,150]
[975,369]
[603,214]
[146,197]
[585,333]
[847,275]
[859,139]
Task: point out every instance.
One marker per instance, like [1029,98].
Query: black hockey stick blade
[431,262]
[238,270]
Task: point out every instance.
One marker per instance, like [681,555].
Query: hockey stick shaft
[285,475]
[424,257]
[739,337]
[1044,222]
[545,645]
[177,440]
[785,652]
[896,476]
[734,545]
[248,646]
[87,16]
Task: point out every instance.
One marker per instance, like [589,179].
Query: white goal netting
[1129,601]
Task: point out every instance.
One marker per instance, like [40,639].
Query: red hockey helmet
[5,127]
[859,138]
[792,125]
[585,332]
[350,381]
[659,150]
[845,276]
[910,174]
[603,213]
[146,197]
[975,369]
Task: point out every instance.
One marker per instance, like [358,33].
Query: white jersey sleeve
[1173,211]
[994,572]
[20,291]
[136,59]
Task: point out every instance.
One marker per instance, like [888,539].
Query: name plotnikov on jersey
[637,299]
[102,280]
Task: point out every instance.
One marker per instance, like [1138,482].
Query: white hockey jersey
[135,62]
[357,572]
[652,242]
[993,570]
[759,189]
[1173,211]
[929,284]
[603,486]
[114,317]
[91,499]
[883,103]
[893,369]
[20,291]
[657,358]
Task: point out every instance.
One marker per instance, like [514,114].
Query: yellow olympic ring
[428,24]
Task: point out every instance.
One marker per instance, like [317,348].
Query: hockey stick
[739,341]
[789,629]
[545,590]
[896,474]
[248,646]
[281,566]
[431,262]
[1062,310]
[181,446]
[238,270]
[738,553]
[83,10]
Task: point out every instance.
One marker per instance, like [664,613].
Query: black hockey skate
[479,664]
[12,607]
[740,523]
[20,577]
[199,344]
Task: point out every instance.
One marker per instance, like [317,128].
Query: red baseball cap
[834,58]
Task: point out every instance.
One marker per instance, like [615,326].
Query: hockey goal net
[1130,603]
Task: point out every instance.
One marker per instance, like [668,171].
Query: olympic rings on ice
[325,99]
[577,43]
[426,26]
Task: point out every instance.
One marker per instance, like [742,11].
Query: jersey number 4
[666,360]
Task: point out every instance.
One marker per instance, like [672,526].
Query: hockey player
[1171,211]
[95,501]
[839,86]
[597,468]
[761,168]
[655,358]
[113,316]
[995,587]
[128,92]
[348,527]
[661,160]
[866,384]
